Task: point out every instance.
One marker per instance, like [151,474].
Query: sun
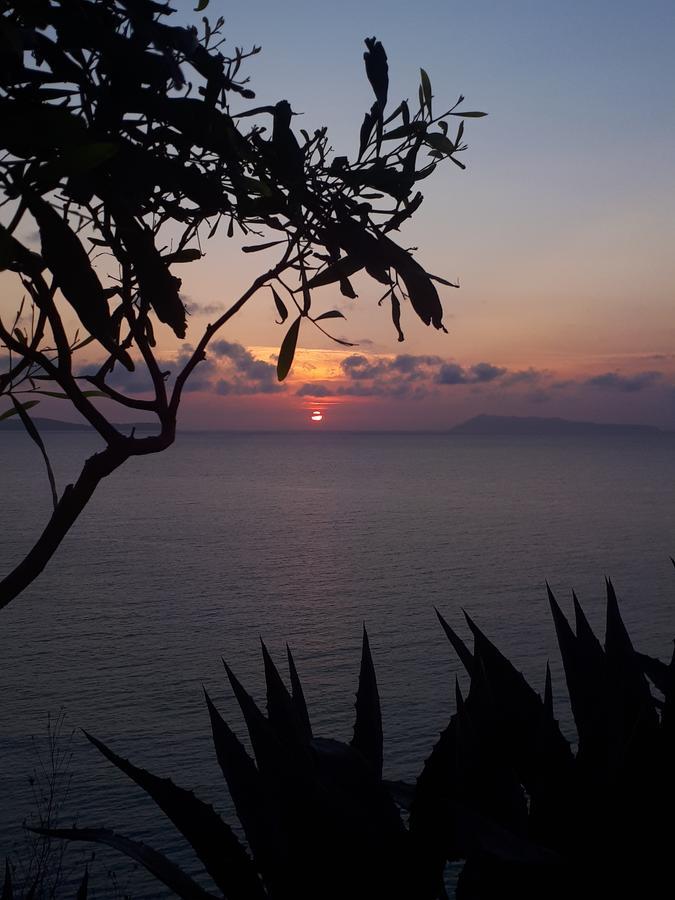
[316,416]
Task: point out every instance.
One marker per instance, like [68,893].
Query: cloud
[314,390]
[524,376]
[451,373]
[140,382]
[405,375]
[228,369]
[624,384]
[359,367]
[481,373]
[246,374]
[194,308]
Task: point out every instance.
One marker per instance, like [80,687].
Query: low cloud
[624,384]
[481,373]
[314,390]
[228,369]
[140,382]
[245,373]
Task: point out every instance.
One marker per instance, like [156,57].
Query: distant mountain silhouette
[533,425]
[15,424]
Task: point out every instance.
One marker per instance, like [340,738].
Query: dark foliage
[126,143]
[319,820]
[502,789]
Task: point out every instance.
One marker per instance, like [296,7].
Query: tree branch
[74,499]
[211,330]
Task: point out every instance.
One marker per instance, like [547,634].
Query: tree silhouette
[121,140]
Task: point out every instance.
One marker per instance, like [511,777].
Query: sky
[560,232]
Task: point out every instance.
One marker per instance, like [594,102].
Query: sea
[192,556]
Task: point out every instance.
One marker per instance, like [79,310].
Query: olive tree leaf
[34,434]
[331,314]
[280,305]
[13,412]
[287,351]
[426,89]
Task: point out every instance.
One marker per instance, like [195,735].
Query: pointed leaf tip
[368,738]
[462,651]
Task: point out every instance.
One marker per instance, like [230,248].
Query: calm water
[192,555]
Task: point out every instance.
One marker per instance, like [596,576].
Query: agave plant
[502,789]
[318,818]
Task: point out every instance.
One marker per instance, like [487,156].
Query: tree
[120,139]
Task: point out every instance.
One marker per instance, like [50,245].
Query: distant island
[534,426]
[15,424]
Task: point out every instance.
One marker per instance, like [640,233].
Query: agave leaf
[548,693]
[459,699]
[213,840]
[467,767]
[298,695]
[254,805]
[7,890]
[656,670]
[460,647]
[287,351]
[401,792]
[542,761]
[483,835]
[275,761]
[585,635]
[155,862]
[585,677]
[368,725]
[668,715]
[281,711]
[83,889]
[632,709]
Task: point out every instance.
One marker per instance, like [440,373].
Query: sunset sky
[560,232]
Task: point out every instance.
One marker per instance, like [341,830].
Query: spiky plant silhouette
[318,818]
[502,789]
